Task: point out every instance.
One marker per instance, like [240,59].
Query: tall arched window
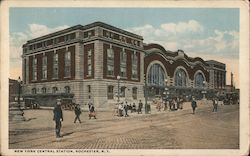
[122,93]
[54,89]
[43,90]
[33,90]
[199,79]
[67,89]
[180,78]
[110,92]
[156,75]
[134,93]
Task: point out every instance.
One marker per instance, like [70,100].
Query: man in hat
[77,113]
[194,105]
[58,117]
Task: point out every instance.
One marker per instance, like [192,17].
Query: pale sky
[206,33]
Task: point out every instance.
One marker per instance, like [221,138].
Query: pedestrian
[77,113]
[90,103]
[58,118]
[181,103]
[120,109]
[175,104]
[170,104]
[215,105]
[126,109]
[140,107]
[92,112]
[194,105]
[130,108]
[165,105]
[134,107]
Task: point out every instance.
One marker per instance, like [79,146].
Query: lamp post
[146,95]
[204,91]
[15,112]
[118,81]
[19,90]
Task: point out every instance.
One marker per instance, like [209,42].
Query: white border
[244,69]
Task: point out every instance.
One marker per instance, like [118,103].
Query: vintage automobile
[31,103]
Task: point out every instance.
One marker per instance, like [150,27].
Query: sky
[209,33]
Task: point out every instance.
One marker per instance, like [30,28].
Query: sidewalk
[42,119]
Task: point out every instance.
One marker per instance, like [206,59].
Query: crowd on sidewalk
[123,109]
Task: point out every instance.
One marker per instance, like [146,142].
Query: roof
[88,26]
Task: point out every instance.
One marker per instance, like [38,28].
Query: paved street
[159,130]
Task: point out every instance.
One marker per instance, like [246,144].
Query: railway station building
[104,64]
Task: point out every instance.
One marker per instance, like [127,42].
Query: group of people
[169,104]
[58,115]
[124,107]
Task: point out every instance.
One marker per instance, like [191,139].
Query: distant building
[13,89]
[82,63]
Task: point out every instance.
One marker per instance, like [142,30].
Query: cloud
[17,39]
[183,27]
[196,40]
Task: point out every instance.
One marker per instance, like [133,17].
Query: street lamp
[15,112]
[204,91]
[118,81]
[146,95]
[19,90]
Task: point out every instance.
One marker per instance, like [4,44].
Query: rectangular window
[34,69]
[134,65]
[110,92]
[44,67]
[72,36]
[27,69]
[110,62]
[110,70]
[89,89]
[123,71]
[89,63]
[67,65]
[55,66]
[123,63]
[110,54]
[134,93]
[89,69]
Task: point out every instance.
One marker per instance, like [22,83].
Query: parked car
[31,103]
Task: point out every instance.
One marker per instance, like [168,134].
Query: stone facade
[82,63]
[88,78]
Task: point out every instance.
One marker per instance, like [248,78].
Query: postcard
[125,78]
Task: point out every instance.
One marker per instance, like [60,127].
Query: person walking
[165,105]
[58,118]
[140,107]
[120,109]
[126,109]
[194,105]
[92,111]
[215,105]
[77,113]
[133,107]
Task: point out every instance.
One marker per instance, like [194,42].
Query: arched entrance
[156,76]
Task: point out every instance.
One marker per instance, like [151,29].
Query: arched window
[43,90]
[110,92]
[134,93]
[33,90]
[199,79]
[122,93]
[180,78]
[156,75]
[67,89]
[54,89]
